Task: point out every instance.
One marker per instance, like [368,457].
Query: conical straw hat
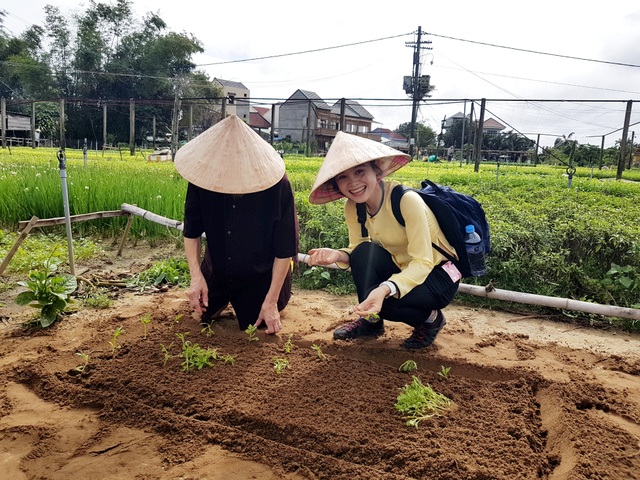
[347,151]
[230,158]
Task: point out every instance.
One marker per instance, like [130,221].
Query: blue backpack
[453,210]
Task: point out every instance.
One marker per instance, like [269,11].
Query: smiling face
[360,184]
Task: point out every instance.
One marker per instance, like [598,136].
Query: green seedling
[288,345]
[165,351]
[146,320]
[408,366]
[83,367]
[196,357]
[372,318]
[444,372]
[280,364]
[228,359]
[114,339]
[318,351]
[207,329]
[251,331]
[179,317]
[419,402]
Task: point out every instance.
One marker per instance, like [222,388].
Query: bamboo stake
[125,234]
[16,245]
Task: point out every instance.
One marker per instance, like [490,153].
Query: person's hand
[323,256]
[373,303]
[198,294]
[270,315]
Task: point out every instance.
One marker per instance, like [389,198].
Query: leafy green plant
[316,278]
[179,317]
[318,351]
[419,402]
[288,345]
[97,300]
[251,332]
[146,320]
[48,292]
[173,271]
[408,366]
[114,339]
[280,364]
[444,372]
[196,357]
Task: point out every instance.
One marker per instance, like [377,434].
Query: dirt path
[531,398]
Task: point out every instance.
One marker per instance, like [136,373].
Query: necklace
[371,214]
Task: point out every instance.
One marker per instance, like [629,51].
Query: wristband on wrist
[392,287]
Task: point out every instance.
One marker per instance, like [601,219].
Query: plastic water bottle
[475,251]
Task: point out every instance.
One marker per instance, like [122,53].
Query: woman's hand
[373,303]
[326,256]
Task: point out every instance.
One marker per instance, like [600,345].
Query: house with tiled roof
[392,139]
[238,98]
[260,120]
[489,126]
[305,117]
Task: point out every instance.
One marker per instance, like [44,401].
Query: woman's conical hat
[347,151]
[230,158]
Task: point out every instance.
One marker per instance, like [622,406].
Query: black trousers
[246,296]
[371,265]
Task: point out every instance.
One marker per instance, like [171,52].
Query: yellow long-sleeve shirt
[410,246]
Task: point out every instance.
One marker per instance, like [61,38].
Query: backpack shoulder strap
[396,196]
[361,210]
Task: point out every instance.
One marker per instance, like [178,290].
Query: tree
[425,136]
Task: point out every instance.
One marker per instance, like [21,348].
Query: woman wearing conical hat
[398,273]
[239,196]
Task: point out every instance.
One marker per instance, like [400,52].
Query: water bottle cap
[469,229]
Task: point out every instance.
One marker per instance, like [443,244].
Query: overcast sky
[546,50]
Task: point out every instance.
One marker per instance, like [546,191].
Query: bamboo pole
[479,291]
[48,222]
[125,234]
[16,245]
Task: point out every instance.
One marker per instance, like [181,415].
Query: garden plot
[530,398]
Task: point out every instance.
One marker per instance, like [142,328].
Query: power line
[304,51]
[536,52]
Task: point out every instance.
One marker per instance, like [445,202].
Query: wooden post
[153,127]
[273,122]
[62,140]
[33,124]
[132,127]
[125,234]
[190,131]
[623,141]
[478,149]
[3,120]
[104,127]
[16,245]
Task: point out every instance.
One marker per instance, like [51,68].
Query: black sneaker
[424,335]
[359,328]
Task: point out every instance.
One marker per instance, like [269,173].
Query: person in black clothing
[239,196]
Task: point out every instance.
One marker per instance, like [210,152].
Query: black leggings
[371,265]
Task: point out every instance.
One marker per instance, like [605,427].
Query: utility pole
[416,86]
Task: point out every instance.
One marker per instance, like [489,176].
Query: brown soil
[533,398]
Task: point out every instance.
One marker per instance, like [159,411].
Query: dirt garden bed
[532,398]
